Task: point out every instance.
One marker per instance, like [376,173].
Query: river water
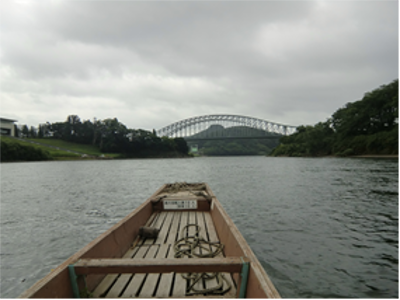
[321,228]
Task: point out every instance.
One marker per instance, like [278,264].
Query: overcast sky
[152,63]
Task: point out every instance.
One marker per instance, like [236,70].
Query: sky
[153,63]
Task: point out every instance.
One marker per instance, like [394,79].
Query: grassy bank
[49,149]
[55,149]
[85,149]
[13,150]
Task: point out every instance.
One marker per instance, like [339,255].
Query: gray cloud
[153,63]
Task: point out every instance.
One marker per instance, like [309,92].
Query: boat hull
[109,249]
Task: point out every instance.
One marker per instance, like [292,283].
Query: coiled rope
[184,186]
[188,246]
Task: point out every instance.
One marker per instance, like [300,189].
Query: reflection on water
[320,227]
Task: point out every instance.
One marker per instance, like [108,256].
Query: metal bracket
[245,276]
[74,283]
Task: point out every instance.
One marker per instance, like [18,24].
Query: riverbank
[376,156]
[20,150]
[392,156]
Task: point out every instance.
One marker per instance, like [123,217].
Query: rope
[184,186]
[197,189]
[187,246]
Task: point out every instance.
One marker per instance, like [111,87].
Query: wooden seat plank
[166,280]
[170,225]
[105,284]
[162,235]
[164,286]
[179,288]
[149,286]
[192,231]
[174,229]
[156,224]
[204,233]
[137,280]
[109,279]
[155,265]
[123,279]
[214,237]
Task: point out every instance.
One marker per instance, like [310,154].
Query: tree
[377,111]
[114,136]
[181,145]
[25,131]
[72,127]
[32,132]
[367,126]
[41,131]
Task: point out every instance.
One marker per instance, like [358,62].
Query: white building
[7,126]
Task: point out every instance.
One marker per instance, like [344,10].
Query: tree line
[367,126]
[110,136]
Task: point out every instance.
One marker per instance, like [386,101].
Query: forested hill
[234,146]
[365,127]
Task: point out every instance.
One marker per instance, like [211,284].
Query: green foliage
[307,141]
[82,148]
[13,151]
[101,136]
[111,136]
[25,131]
[55,154]
[376,112]
[368,126]
[181,145]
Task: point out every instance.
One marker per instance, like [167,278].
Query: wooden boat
[179,243]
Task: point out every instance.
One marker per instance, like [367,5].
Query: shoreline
[350,156]
[91,158]
[376,156]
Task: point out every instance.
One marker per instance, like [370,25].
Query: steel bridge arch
[196,124]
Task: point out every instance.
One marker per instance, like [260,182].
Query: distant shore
[376,156]
[350,156]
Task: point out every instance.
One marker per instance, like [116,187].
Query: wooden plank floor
[167,284]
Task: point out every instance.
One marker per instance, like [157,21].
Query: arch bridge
[225,127]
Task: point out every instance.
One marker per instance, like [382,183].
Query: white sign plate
[180,204]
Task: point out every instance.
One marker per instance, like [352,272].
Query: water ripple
[321,228]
